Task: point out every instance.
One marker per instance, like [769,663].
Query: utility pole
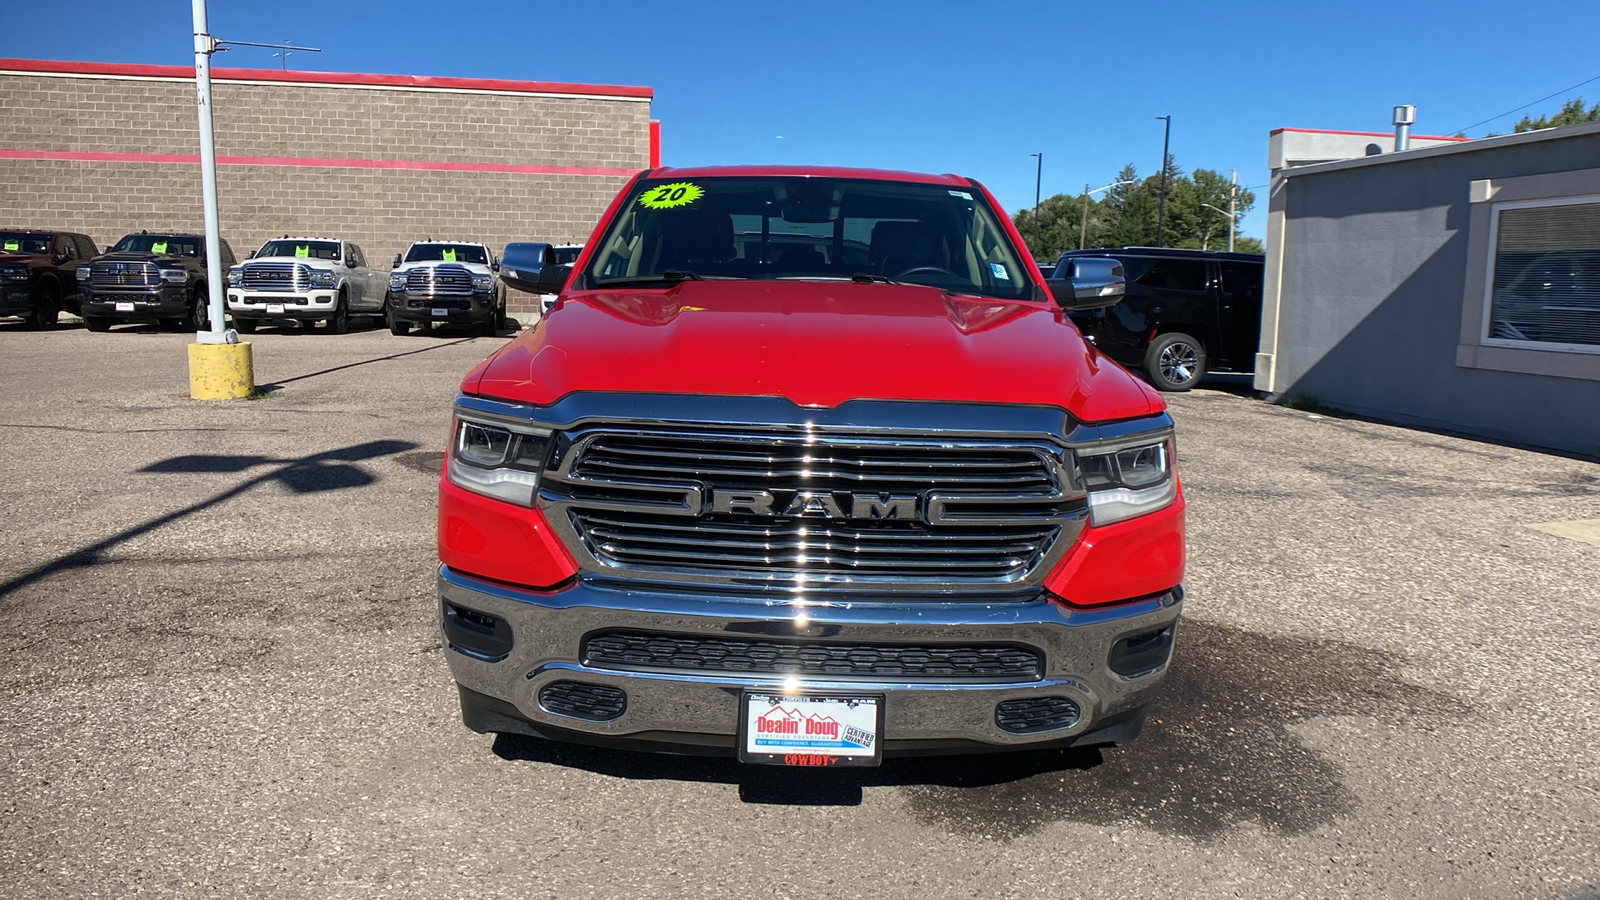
[1161,207]
[1083,227]
[1038,172]
[1233,215]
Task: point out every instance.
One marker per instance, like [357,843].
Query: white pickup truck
[305,279]
[449,282]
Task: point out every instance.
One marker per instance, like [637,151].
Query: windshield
[171,245]
[21,242]
[466,253]
[302,249]
[809,229]
[566,256]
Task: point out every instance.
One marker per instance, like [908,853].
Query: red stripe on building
[307,161]
[63,67]
[655,143]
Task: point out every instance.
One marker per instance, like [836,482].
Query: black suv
[149,276]
[1187,312]
[37,273]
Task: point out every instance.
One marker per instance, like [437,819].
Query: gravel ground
[224,676]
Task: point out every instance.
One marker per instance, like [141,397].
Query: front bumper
[167,301]
[275,305]
[697,711]
[16,299]
[475,308]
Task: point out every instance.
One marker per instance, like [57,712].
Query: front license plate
[778,729]
[274,307]
[124,307]
[441,312]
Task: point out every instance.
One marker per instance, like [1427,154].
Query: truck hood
[305,260]
[816,344]
[474,268]
[145,256]
[22,259]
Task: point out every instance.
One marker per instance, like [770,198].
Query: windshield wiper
[670,276]
[869,278]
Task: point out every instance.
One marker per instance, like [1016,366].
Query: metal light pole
[1083,227]
[1038,173]
[1233,196]
[204,46]
[1161,207]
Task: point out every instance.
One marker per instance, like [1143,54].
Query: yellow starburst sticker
[670,196]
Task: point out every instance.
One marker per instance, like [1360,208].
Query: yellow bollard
[221,371]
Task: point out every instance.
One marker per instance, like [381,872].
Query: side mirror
[494,264]
[108,248]
[63,255]
[396,263]
[1087,282]
[547,280]
[250,255]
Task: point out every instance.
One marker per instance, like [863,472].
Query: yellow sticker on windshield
[158,247]
[448,254]
[668,196]
[13,245]
[302,251]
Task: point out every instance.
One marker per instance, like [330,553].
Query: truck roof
[803,171]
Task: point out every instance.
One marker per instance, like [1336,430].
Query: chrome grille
[276,276]
[439,280]
[973,514]
[121,274]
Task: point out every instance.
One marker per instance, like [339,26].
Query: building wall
[114,150]
[1373,280]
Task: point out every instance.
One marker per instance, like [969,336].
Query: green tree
[1127,214]
[1572,113]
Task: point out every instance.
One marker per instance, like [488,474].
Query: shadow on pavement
[330,470]
[364,362]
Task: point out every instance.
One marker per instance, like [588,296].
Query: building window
[1544,280]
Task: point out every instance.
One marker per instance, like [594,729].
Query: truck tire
[46,306]
[97,323]
[199,317]
[244,326]
[397,326]
[1175,362]
[340,323]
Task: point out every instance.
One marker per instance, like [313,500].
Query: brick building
[384,159]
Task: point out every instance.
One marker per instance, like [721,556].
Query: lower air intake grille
[595,702]
[910,662]
[1036,714]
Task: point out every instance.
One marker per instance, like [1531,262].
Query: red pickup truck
[808,466]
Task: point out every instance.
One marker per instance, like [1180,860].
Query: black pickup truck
[149,276]
[36,273]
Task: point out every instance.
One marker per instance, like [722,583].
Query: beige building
[379,159]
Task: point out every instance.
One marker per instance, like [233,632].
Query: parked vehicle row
[161,277]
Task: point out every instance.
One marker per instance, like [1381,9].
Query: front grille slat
[647,651]
[285,277]
[123,274]
[946,513]
[439,281]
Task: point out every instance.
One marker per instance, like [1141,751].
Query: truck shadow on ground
[1219,749]
[330,470]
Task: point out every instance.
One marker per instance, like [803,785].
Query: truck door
[1239,314]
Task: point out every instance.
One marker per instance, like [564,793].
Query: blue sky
[971,88]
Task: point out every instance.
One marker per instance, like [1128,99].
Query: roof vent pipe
[1403,117]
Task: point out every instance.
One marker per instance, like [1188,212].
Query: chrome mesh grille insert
[121,274]
[276,276]
[646,651]
[439,280]
[792,509]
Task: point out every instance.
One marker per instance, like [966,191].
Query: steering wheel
[929,270]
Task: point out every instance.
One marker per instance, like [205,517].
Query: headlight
[14,273]
[482,283]
[322,278]
[490,459]
[397,280]
[83,274]
[1127,479]
[235,276]
[174,276]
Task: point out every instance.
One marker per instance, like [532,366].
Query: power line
[1525,106]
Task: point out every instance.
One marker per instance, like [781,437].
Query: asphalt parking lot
[223,674]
